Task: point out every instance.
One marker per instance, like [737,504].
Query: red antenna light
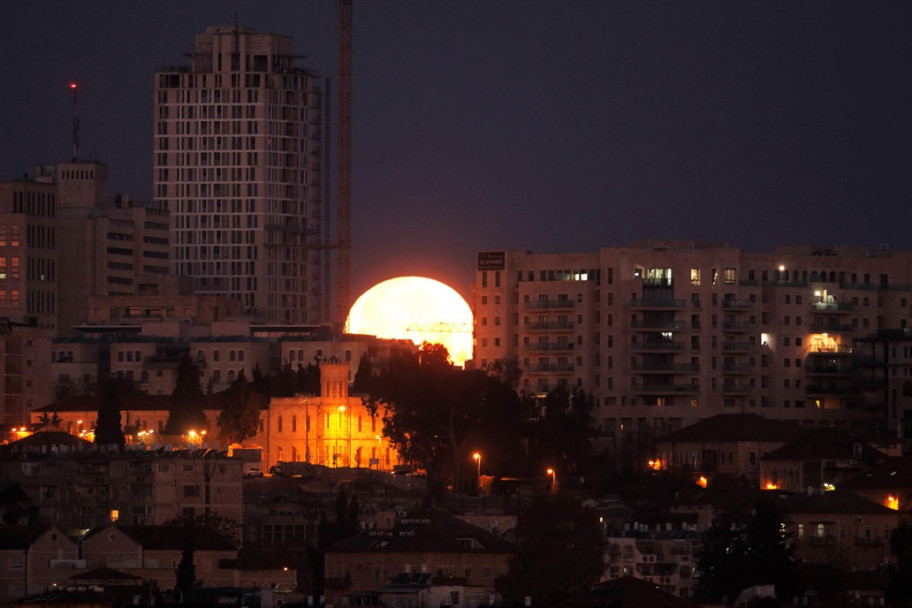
[72,85]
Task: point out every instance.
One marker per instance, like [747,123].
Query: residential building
[153,552]
[34,559]
[449,551]
[665,333]
[239,162]
[75,485]
[841,527]
[667,562]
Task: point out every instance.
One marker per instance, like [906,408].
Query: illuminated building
[239,162]
[666,333]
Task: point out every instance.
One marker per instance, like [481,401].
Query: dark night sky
[547,125]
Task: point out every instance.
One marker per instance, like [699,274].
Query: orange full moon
[416,309]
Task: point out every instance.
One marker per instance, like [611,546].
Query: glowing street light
[551,473]
[477,457]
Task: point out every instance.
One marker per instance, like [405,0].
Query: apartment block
[666,333]
[239,162]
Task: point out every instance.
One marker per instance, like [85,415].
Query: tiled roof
[20,537]
[835,502]
[426,531]
[170,537]
[50,438]
[736,427]
[894,473]
[825,443]
[106,575]
[627,592]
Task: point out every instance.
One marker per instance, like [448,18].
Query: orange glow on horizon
[416,309]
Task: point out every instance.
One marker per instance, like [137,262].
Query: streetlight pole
[477,458]
[553,476]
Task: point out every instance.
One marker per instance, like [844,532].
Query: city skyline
[477,125]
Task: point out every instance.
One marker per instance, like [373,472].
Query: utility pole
[74,87]
[343,169]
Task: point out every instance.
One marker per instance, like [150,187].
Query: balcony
[737,346]
[734,368]
[542,368]
[657,303]
[537,347]
[549,326]
[731,304]
[657,345]
[834,307]
[550,304]
[665,388]
[738,326]
[827,389]
[666,367]
[829,369]
[735,388]
[659,325]
[832,328]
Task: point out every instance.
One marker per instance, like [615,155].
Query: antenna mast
[74,87]
[343,168]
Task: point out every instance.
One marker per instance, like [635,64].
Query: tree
[240,416]
[14,503]
[186,569]
[437,415]
[737,554]
[560,552]
[108,429]
[560,437]
[899,588]
[363,375]
[186,410]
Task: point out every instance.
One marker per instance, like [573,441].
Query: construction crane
[343,166]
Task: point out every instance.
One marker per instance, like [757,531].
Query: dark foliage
[240,415]
[560,552]
[186,411]
[108,429]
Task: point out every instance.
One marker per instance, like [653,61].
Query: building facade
[665,333]
[238,161]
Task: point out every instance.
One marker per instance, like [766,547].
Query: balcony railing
[737,346]
[552,367]
[733,368]
[549,346]
[832,328]
[657,303]
[735,387]
[832,306]
[657,345]
[549,326]
[665,388]
[738,326]
[819,389]
[737,304]
[661,366]
[550,304]
[658,324]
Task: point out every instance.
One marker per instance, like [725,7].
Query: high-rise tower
[238,161]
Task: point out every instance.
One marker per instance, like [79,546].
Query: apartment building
[239,162]
[665,333]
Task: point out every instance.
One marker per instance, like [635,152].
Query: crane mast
[343,167]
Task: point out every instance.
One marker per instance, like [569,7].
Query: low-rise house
[666,562]
[841,527]
[34,559]
[76,485]
[153,552]
[727,444]
[889,484]
[453,554]
[822,459]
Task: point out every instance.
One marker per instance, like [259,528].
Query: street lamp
[379,452]
[477,457]
[551,473]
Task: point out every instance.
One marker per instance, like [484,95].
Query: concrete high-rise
[239,162]
[666,333]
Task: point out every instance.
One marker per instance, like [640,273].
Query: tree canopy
[108,429]
[560,552]
[438,415]
[239,419]
[186,410]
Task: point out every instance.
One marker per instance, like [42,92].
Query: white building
[239,162]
